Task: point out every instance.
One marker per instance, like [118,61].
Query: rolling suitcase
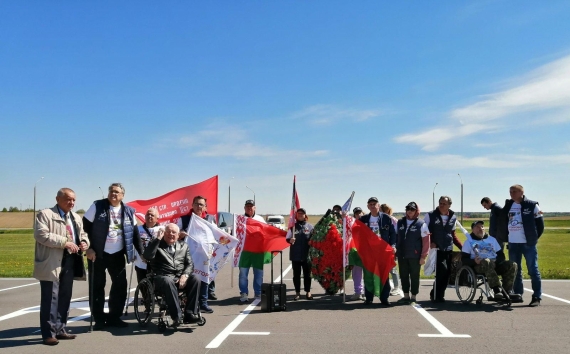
[273,296]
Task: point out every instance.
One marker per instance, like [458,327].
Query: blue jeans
[530,253]
[257,280]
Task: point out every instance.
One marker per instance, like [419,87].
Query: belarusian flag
[256,241]
[373,254]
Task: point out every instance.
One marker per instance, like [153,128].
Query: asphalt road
[322,325]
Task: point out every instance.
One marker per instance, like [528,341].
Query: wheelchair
[467,282]
[147,298]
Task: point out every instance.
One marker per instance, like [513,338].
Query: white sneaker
[243,297]
[396,292]
[355,297]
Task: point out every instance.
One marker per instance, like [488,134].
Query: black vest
[441,234]
[409,240]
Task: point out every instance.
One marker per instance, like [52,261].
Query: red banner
[177,203]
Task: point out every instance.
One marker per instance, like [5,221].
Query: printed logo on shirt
[103,215]
[437,221]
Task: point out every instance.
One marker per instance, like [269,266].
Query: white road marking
[444,332]
[220,338]
[552,297]
[30,310]
[20,286]
[250,333]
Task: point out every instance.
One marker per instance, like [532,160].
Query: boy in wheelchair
[173,272]
[484,254]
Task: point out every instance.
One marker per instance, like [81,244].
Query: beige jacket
[50,235]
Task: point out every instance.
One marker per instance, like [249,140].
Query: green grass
[553,259]
[17,253]
[556,223]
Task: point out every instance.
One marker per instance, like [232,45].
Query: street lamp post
[229,193]
[433,196]
[252,192]
[34,214]
[461,198]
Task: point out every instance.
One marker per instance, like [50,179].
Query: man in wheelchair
[173,270]
[484,254]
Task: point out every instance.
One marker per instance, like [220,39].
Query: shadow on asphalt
[9,337]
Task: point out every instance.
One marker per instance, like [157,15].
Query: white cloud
[457,162]
[231,141]
[432,139]
[327,114]
[542,91]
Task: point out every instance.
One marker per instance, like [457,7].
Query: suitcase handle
[281,277]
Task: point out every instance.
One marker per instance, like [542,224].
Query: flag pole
[232,255]
[345,212]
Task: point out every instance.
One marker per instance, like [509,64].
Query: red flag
[374,254]
[177,203]
[294,205]
[256,241]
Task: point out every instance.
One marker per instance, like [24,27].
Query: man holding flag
[249,209]
[382,226]
[198,208]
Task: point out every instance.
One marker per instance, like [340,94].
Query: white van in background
[277,221]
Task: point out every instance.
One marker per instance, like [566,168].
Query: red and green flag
[373,254]
[256,241]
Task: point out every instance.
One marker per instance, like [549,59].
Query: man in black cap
[249,211]
[381,225]
[485,255]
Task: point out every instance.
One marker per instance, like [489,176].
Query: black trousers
[384,294]
[409,273]
[141,273]
[306,267]
[167,286]
[55,299]
[115,265]
[442,271]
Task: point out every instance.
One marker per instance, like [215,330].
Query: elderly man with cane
[58,261]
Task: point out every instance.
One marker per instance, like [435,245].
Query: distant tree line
[16,210]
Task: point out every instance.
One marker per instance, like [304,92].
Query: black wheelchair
[467,282]
[147,298]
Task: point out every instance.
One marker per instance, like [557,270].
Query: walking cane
[91,281]
[129,288]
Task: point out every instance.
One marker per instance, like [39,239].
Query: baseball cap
[301,210]
[249,201]
[412,206]
[357,210]
[372,199]
[477,222]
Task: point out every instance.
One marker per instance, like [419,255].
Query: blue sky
[379,97]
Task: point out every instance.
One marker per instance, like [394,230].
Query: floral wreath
[325,253]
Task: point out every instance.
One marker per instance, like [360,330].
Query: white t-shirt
[516,230]
[444,218]
[145,240]
[259,218]
[373,224]
[114,242]
[488,247]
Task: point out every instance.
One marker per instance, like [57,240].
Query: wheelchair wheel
[466,284]
[144,302]
[202,321]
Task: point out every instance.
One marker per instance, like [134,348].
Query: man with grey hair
[60,242]
[113,233]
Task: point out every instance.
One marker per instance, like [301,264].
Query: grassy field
[17,256]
